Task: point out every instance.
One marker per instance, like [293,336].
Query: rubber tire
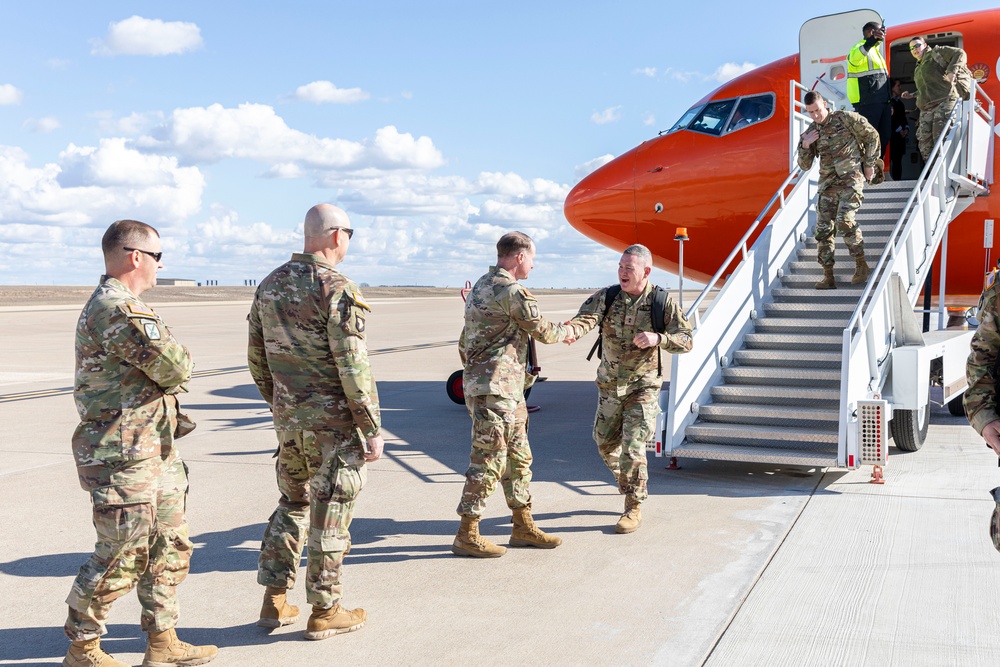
[907,430]
[956,406]
[456,392]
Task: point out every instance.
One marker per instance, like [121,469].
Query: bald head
[321,218]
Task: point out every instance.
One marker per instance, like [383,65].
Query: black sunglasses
[347,230]
[154,255]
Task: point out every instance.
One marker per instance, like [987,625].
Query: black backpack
[658,315]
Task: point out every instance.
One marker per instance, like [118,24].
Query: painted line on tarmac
[61,391]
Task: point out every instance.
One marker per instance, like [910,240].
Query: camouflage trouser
[500,451]
[931,124]
[320,474]
[622,427]
[835,209]
[142,538]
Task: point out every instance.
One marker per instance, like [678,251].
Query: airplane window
[751,110]
[713,117]
[685,119]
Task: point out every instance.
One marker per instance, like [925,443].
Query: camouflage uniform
[308,357]
[128,369]
[980,398]
[500,316]
[628,380]
[936,96]
[841,178]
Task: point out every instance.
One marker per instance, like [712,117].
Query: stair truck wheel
[456,392]
[909,428]
[955,406]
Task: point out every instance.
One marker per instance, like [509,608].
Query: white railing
[961,163]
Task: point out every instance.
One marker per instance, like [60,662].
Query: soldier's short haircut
[512,243]
[871,25]
[640,251]
[123,233]
[811,97]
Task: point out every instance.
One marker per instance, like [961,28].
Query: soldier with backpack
[941,77]
[635,321]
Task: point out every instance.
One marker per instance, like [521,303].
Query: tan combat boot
[861,271]
[828,282]
[276,611]
[166,650]
[631,519]
[336,620]
[88,653]
[527,534]
[469,542]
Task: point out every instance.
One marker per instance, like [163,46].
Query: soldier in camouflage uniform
[628,379]
[500,316]
[934,77]
[980,398]
[308,357]
[845,144]
[129,370]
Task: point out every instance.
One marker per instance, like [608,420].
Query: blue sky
[436,125]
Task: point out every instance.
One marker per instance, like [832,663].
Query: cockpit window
[713,117]
[686,119]
[751,110]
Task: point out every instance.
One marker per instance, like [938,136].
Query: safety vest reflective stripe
[874,64]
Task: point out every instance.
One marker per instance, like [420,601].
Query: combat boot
[861,270]
[276,611]
[336,620]
[88,653]
[469,542]
[166,650]
[632,517]
[527,534]
[828,282]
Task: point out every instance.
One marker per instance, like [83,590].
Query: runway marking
[61,391]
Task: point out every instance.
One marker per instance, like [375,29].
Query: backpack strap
[609,298]
[659,316]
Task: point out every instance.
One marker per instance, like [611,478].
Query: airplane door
[824,43]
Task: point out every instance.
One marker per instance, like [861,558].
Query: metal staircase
[778,367]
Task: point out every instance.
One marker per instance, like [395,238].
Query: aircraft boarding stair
[778,367]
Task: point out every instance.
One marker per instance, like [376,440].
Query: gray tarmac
[735,564]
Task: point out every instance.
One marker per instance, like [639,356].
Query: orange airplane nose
[602,205]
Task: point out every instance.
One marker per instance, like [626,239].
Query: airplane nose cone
[602,205]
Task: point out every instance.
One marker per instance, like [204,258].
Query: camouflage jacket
[128,366]
[624,366]
[841,154]
[981,396]
[928,76]
[307,351]
[500,315]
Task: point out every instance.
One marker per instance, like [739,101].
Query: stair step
[784,396]
[802,342]
[872,237]
[767,415]
[750,454]
[788,358]
[841,268]
[810,294]
[841,253]
[799,325]
[822,378]
[762,436]
[832,309]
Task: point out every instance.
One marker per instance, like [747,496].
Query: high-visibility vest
[873,64]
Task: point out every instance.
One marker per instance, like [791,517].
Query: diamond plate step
[840,253]
[787,396]
[786,377]
[788,358]
[872,238]
[800,325]
[767,415]
[802,342]
[812,295]
[819,309]
[749,454]
[763,436]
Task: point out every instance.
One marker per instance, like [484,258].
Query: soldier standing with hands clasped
[500,316]
[308,357]
[129,370]
[847,147]
[629,377]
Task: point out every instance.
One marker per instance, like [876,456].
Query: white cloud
[646,71]
[319,92]
[729,71]
[285,170]
[681,75]
[138,36]
[42,125]
[591,166]
[131,125]
[10,95]
[609,115]
[648,119]
[256,132]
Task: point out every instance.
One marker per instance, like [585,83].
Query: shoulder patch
[991,279]
[355,296]
[152,331]
[139,310]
